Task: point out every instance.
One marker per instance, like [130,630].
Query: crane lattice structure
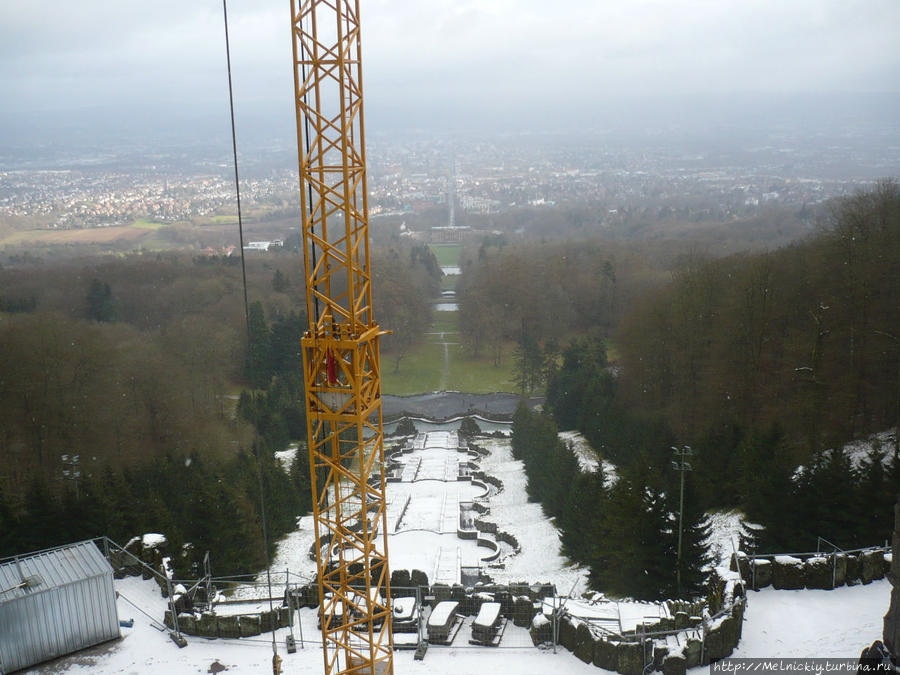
[341,360]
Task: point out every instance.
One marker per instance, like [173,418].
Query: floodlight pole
[679,464]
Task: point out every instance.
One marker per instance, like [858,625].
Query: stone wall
[819,570]
[210,625]
[704,637]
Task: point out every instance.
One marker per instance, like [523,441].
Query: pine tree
[695,557]
[631,555]
[257,368]
[581,522]
[8,527]
[100,303]
[280,282]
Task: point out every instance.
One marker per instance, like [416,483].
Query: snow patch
[788,560]
[588,459]
[153,540]
[287,457]
[725,533]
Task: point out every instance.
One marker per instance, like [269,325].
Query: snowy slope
[835,623]
[777,623]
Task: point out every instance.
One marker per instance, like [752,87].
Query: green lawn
[447,254]
[443,321]
[448,283]
[423,368]
[480,375]
[224,220]
[420,370]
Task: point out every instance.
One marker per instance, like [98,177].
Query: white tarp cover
[53,603]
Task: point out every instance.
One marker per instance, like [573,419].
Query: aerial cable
[256,443]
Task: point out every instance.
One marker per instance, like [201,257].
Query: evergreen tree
[469,428]
[100,304]
[405,427]
[257,368]
[631,549]
[39,526]
[580,523]
[280,282]
[875,497]
[767,487]
[8,527]
[695,557]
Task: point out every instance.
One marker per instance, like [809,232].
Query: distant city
[484,176]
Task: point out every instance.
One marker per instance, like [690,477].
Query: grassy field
[440,363]
[448,283]
[447,254]
[91,235]
[144,224]
[224,220]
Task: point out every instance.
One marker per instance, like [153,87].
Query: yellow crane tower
[341,361]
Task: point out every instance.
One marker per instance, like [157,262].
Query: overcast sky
[446,59]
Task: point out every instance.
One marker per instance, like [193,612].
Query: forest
[765,365]
[145,369]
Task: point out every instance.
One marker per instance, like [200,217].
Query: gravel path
[446,404]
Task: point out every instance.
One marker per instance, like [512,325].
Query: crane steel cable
[256,443]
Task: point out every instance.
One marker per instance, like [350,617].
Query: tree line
[766,366]
[847,501]
[144,368]
[625,532]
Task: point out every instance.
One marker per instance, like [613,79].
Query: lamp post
[682,465]
[71,470]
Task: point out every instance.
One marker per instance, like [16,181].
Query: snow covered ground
[858,451]
[541,558]
[433,505]
[777,623]
[836,623]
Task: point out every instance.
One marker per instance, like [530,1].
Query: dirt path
[445,373]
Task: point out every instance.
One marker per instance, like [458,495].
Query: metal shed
[53,603]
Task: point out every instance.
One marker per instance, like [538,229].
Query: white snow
[425,538]
[442,612]
[488,614]
[808,623]
[588,459]
[777,622]
[858,451]
[836,623]
[541,558]
[153,539]
[287,456]
[788,560]
[725,534]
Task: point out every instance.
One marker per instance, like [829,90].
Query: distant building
[258,246]
[449,234]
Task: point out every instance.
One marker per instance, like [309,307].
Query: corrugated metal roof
[55,568]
